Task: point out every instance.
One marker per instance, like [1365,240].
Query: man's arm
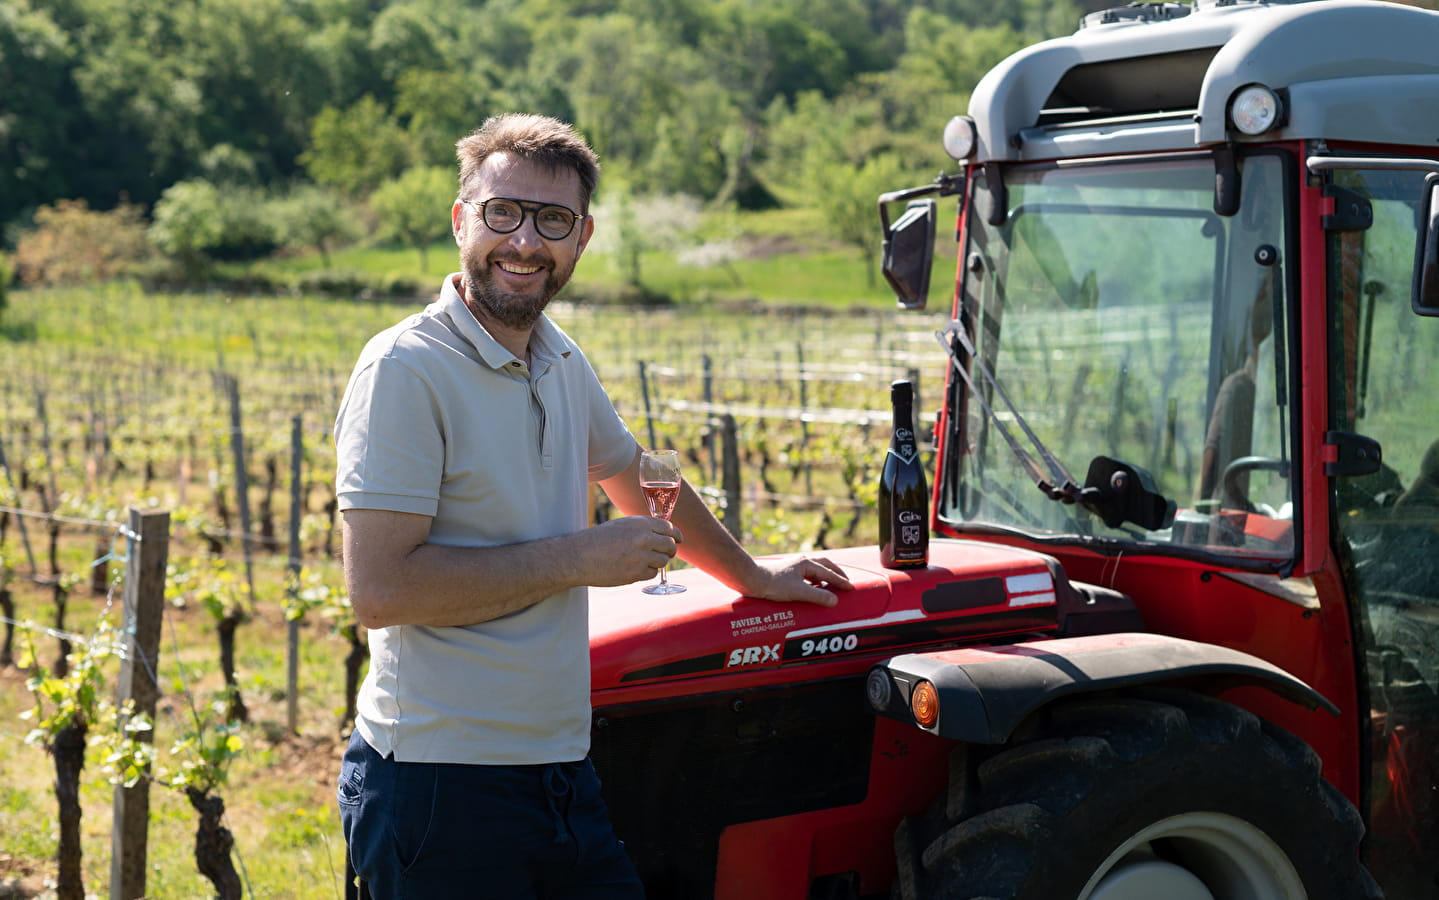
[707,544]
[396,577]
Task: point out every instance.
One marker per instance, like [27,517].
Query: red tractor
[1198,253]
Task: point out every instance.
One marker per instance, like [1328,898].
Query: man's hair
[539,139]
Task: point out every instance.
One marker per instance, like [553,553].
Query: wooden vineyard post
[242,480]
[292,639]
[649,417]
[803,422]
[148,536]
[709,442]
[730,446]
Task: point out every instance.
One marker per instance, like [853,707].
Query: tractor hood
[970,591]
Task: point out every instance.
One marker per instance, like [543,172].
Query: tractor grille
[677,772]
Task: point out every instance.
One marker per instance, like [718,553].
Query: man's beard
[513,310]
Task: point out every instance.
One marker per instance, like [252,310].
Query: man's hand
[801,580]
[626,550]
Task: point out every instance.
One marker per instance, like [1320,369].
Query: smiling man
[466,441]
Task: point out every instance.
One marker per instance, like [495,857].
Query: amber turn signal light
[924,703]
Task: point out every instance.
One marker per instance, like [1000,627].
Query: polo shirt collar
[547,342]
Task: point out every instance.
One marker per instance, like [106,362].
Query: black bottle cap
[901,391]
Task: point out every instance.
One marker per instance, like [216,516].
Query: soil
[19,879]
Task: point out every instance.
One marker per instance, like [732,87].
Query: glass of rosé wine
[660,481]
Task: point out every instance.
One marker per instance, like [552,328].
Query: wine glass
[660,481]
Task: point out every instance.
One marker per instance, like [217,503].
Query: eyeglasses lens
[504,216]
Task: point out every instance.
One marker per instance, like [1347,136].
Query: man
[466,440]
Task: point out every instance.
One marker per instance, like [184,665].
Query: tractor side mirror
[909,251]
[1426,254]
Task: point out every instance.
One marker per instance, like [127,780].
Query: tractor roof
[1161,76]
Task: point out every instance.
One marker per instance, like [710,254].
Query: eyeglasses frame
[530,208]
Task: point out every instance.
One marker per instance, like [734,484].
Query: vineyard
[217,411]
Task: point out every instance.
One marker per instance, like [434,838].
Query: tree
[415,207]
[36,109]
[768,51]
[313,217]
[356,148]
[635,225]
[439,107]
[846,196]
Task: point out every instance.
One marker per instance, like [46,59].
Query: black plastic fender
[985,692]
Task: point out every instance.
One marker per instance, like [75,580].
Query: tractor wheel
[1159,794]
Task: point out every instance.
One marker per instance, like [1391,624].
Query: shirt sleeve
[389,441]
[611,445]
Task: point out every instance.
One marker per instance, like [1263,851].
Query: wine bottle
[903,498]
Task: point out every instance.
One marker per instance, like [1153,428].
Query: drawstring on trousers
[558,792]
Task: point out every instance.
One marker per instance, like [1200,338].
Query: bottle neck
[904,418]
[903,433]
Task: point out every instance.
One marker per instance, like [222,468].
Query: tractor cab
[1192,351]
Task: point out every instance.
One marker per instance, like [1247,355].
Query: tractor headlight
[1255,109]
[960,137]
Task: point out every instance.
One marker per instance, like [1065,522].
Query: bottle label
[905,453]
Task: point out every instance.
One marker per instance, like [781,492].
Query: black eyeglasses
[503,215]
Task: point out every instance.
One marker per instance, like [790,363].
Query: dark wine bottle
[903,498]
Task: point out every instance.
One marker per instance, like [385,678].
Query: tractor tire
[1153,794]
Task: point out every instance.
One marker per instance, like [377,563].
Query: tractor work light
[924,703]
[960,137]
[877,689]
[1255,109]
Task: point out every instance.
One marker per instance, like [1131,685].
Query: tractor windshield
[1125,318]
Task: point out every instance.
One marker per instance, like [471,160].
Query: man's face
[510,278]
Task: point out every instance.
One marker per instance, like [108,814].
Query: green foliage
[316,218]
[106,99]
[36,57]
[356,148]
[204,754]
[197,222]
[77,698]
[211,582]
[636,227]
[187,222]
[439,107]
[7,274]
[315,592]
[846,200]
[414,208]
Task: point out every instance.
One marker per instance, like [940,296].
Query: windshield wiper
[1115,491]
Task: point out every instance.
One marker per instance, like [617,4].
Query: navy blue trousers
[436,831]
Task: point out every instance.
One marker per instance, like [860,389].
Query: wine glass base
[663,589]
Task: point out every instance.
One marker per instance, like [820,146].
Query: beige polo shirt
[440,420]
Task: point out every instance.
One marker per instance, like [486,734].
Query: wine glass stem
[663,580]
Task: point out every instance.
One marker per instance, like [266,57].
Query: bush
[196,223]
[249,227]
[187,223]
[358,286]
[71,243]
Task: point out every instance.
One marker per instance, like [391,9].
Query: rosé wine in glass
[660,481]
